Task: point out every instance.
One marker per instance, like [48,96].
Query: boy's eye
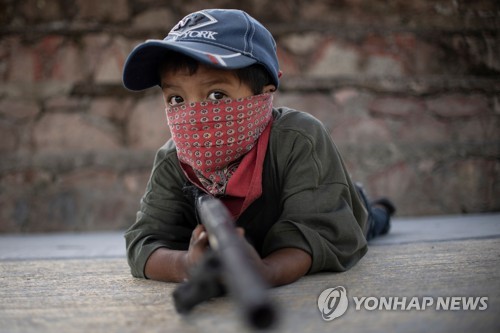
[174,100]
[216,95]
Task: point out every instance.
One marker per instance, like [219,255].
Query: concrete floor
[81,283]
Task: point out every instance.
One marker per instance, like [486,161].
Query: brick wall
[408,89]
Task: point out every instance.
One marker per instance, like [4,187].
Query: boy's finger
[201,242]
[197,231]
[240,231]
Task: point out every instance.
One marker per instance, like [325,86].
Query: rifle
[226,267]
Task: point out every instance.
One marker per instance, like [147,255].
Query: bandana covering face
[212,136]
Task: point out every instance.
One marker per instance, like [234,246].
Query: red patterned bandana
[212,136]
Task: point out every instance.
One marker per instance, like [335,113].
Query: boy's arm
[285,266]
[166,219]
[172,265]
[281,267]
[166,265]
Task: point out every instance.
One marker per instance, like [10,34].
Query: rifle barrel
[243,281]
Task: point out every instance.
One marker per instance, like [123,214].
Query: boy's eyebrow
[215,80]
[167,85]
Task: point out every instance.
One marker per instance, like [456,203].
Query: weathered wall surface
[410,91]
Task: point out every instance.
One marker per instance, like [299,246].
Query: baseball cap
[222,38]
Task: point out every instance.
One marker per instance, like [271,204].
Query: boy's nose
[194,99]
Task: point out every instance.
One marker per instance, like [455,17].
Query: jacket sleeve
[165,219]
[321,211]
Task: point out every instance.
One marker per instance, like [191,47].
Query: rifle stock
[227,265]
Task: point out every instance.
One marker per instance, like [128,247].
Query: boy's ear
[269,88]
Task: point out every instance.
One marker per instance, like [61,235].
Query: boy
[275,169]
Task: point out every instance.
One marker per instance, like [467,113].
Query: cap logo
[188,27]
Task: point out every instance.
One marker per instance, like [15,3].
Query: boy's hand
[197,246]
[173,265]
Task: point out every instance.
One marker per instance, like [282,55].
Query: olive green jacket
[308,201]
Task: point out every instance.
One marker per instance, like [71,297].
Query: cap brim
[141,70]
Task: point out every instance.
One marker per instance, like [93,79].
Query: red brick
[483,128]
[428,188]
[29,177]
[19,109]
[411,54]
[66,103]
[473,187]
[147,126]
[45,55]
[117,110]
[68,64]
[361,131]
[12,213]
[61,132]
[301,44]
[50,58]
[421,127]
[455,105]
[157,18]
[93,46]
[108,71]
[265,10]
[288,63]
[110,63]
[477,51]
[85,199]
[335,58]
[352,122]
[9,138]
[42,11]
[104,57]
[135,182]
[17,189]
[395,182]
[429,58]
[319,105]
[20,63]
[103,11]
[394,106]
[343,96]
[88,178]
